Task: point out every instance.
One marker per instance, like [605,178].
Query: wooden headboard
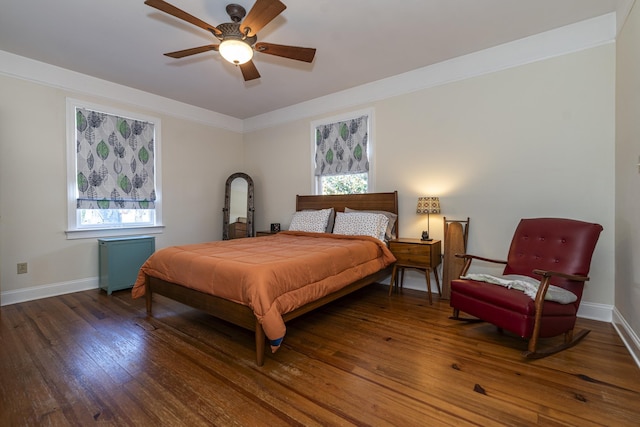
[366,202]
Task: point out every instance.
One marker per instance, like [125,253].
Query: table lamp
[428,205]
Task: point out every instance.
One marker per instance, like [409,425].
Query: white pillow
[330,221]
[361,224]
[310,221]
[391,227]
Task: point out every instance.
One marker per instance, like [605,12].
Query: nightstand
[418,254]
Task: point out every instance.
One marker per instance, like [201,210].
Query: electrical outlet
[22,267]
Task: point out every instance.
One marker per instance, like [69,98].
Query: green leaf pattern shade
[341,147]
[115,161]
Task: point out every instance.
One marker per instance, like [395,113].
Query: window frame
[316,185]
[74,231]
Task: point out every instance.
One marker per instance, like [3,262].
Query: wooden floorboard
[367,359]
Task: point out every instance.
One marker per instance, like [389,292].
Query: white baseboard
[46,291]
[595,311]
[628,336]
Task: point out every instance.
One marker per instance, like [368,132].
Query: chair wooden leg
[568,336]
[456,316]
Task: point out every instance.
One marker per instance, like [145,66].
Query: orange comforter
[273,275]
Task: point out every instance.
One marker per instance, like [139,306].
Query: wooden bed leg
[260,341]
[148,296]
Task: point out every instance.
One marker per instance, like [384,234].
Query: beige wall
[627,290]
[536,140]
[33,213]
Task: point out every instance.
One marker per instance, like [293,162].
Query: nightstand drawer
[413,252]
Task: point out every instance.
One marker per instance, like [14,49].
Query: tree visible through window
[344,184]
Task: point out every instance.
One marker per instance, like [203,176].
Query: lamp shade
[235,51]
[428,205]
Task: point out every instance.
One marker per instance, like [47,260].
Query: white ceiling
[357,42]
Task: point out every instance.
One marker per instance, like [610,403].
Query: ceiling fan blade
[192,51]
[262,12]
[181,14]
[249,71]
[305,54]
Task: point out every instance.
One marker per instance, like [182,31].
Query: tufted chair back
[555,244]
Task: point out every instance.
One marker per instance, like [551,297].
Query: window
[342,154]
[113,177]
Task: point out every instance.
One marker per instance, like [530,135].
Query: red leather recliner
[553,250]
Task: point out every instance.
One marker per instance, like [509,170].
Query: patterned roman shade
[341,148]
[115,162]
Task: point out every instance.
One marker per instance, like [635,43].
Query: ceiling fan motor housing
[231,30]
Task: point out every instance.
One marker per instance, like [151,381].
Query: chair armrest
[479,258]
[574,277]
[468,258]
[544,286]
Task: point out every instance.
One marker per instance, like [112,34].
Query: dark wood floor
[368,359]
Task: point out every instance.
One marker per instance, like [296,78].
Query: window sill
[113,232]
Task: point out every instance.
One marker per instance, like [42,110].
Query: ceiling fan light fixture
[236,51]
[238,38]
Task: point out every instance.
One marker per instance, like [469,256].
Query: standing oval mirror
[238,207]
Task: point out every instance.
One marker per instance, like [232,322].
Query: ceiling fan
[238,39]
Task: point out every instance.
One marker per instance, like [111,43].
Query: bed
[261,259]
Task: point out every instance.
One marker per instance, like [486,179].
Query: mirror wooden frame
[227,204]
